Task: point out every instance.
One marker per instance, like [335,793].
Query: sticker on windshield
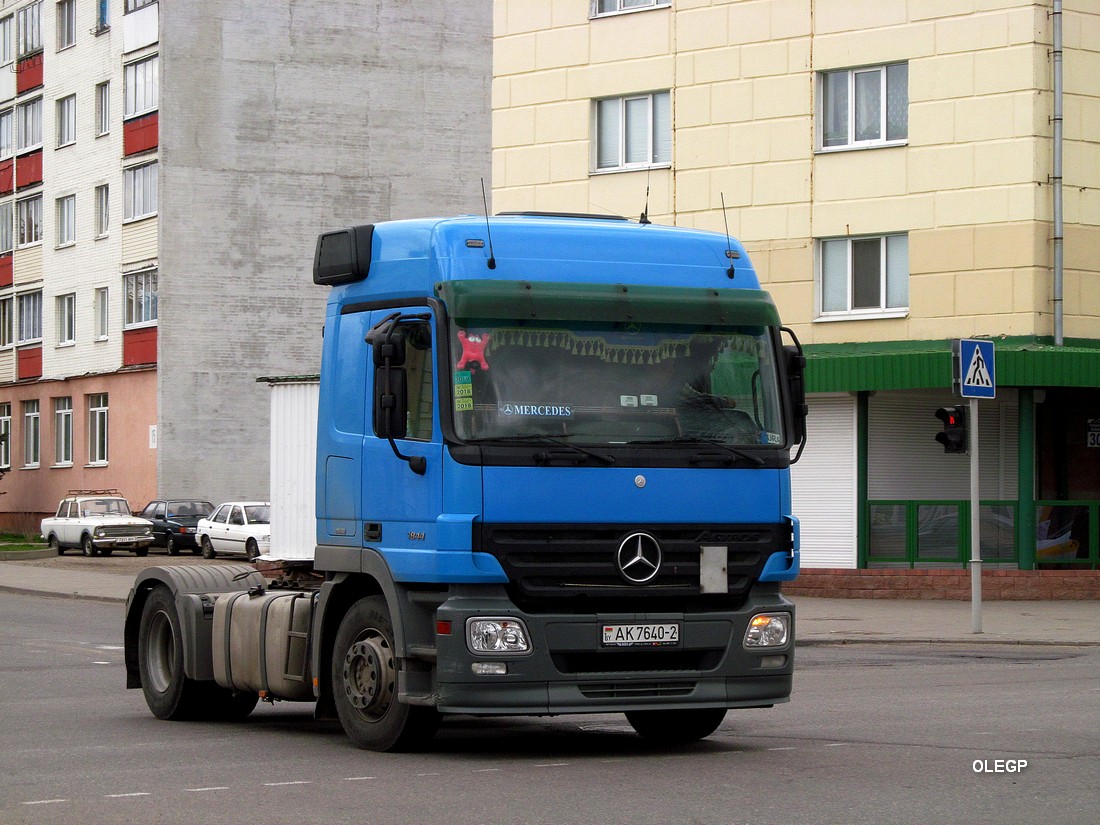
[537,410]
[774,438]
[628,401]
[648,400]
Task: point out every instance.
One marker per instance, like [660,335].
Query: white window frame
[134,5]
[102,210]
[5,435]
[28,307]
[66,220]
[98,428]
[29,30]
[7,133]
[102,313]
[140,191]
[102,16]
[892,282]
[655,108]
[103,108]
[141,86]
[28,221]
[888,81]
[66,23]
[32,433]
[7,226]
[7,322]
[28,119]
[66,319]
[63,431]
[606,8]
[7,40]
[66,121]
[139,297]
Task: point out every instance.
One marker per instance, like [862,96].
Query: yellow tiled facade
[970,184]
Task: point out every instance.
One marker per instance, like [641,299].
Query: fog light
[496,635]
[489,668]
[768,630]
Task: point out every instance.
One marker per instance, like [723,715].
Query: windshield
[616,383]
[104,507]
[258,514]
[189,508]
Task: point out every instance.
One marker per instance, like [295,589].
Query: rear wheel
[169,693]
[55,546]
[207,548]
[171,546]
[364,683]
[251,549]
[87,547]
[676,727]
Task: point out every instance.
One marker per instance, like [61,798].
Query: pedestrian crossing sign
[977,369]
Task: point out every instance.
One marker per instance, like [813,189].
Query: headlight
[768,630]
[98,532]
[147,531]
[497,635]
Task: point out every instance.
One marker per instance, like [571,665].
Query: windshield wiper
[701,439]
[543,456]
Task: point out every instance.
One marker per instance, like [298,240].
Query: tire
[171,546]
[251,549]
[168,692]
[141,551]
[55,546]
[106,551]
[87,547]
[675,727]
[207,548]
[364,683]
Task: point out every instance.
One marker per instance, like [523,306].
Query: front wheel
[171,546]
[364,683]
[676,727]
[87,547]
[207,548]
[55,546]
[141,551]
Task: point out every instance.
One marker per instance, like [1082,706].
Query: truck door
[400,505]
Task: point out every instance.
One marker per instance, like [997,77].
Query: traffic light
[953,437]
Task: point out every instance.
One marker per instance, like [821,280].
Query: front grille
[635,690]
[649,661]
[121,531]
[553,561]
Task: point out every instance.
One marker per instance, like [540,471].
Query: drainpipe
[1056,176]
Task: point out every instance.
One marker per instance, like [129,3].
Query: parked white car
[236,527]
[97,522]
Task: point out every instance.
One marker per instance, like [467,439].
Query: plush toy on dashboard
[473,350]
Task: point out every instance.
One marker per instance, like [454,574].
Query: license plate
[641,635]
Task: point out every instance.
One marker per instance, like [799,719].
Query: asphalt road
[874,734]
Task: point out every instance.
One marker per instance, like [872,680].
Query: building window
[141,86]
[66,23]
[7,42]
[133,5]
[66,120]
[102,210]
[600,7]
[102,108]
[102,15]
[7,327]
[29,121]
[5,435]
[29,25]
[63,431]
[28,214]
[7,141]
[633,132]
[66,220]
[7,236]
[140,191]
[864,276]
[864,107]
[66,319]
[102,314]
[141,298]
[97,428]
[30,317]
[31,434]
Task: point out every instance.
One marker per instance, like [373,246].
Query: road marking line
[356,778]
[45,801]
[782,749]
[295,782]
[203,790]
[125,795]
[551,765]
[837,744]
[487,770]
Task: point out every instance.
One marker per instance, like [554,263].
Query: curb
[91,597]
[25,555]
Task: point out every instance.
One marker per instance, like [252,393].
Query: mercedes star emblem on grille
[639,558]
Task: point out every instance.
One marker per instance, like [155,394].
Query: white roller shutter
[823,483]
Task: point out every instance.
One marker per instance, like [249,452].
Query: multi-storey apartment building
[165,169]
[891,167]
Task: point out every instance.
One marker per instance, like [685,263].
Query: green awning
[906,365]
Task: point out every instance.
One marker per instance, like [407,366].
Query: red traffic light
[953,437]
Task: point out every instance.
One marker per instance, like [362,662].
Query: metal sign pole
[975,521]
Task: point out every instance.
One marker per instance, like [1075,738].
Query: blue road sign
[977,369]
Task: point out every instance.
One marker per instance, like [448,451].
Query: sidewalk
[820,621]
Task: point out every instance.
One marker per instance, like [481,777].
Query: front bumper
[122,541]
[568,670]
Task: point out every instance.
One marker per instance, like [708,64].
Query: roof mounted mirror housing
[343,255]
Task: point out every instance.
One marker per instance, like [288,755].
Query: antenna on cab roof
[729,245]
[492,262]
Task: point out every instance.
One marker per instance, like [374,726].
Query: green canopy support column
[1025,518]
[863,518]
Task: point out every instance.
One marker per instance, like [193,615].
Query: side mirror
[391,402]
[796,381]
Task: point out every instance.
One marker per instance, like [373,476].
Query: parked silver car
[236,527]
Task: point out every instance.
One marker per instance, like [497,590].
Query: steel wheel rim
[369,676]
[160,652]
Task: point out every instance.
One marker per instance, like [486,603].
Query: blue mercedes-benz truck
[553,477]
